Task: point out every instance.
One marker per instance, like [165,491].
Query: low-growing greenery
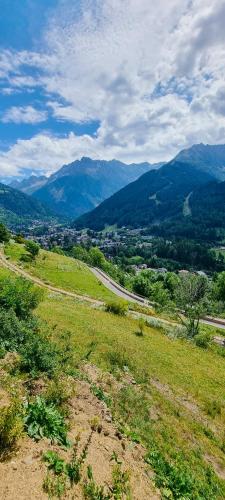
[116,307]
[45,420]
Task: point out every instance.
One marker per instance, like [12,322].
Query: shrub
[141,325]
[4,234]
[59,390]
[118,359]
[39,354]
[12,331]
[44,420]
[213,408]
[119,308]
[20,295]
[11,426]
[32,248]
[203,340]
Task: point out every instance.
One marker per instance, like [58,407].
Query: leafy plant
[61,474]
[99,393]
[44,420]
[55,463]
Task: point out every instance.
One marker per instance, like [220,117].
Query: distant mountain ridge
[29,185]
[210,159]
[169,197]
[16,206]
[83,184]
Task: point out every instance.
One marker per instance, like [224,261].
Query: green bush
[12,332]
[20,295]
[44,420]
[11,426]
[32,248]
[4,234]
[119,308]
[39,354]
[203,340]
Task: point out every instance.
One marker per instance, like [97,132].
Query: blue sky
[108,79]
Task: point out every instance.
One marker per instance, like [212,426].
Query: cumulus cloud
[24,114]
[152,74]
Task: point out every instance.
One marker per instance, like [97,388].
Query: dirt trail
[13,267]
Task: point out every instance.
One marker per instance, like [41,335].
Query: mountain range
[81,185]
[29,185]
[184,197]
[17,207]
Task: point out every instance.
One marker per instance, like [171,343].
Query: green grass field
[182,382]
[62,272]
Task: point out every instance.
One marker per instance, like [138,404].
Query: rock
[28,460]
[108,418]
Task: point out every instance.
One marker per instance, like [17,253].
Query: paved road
[109,283]
[123,293]
[118,289]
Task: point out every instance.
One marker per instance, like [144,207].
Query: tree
[191,298]
[219,287]
[80,253]
[4,234]
[32,248]
[97,258]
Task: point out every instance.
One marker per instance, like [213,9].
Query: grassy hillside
[182,385]
[62,272]
[167,394]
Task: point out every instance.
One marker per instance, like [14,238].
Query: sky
[135,80]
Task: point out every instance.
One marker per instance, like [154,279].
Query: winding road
[109,283]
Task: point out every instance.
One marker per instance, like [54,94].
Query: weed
[99,393]
[96,424]
[75,466]
[119,490]
[59,390]
[44,420]
[54,486]
[213,408]
[176,481]
[55,463]
[91,490]
[121,484]
[141,325]
[61,474]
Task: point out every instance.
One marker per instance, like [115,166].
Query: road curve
[119,290]
[132,297]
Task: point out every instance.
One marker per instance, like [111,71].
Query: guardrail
[134,296]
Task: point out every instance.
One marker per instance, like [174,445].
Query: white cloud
[24,114]
[151,73]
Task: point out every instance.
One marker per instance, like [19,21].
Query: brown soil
[22,476]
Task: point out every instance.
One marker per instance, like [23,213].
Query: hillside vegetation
[60,271]
[149,407]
